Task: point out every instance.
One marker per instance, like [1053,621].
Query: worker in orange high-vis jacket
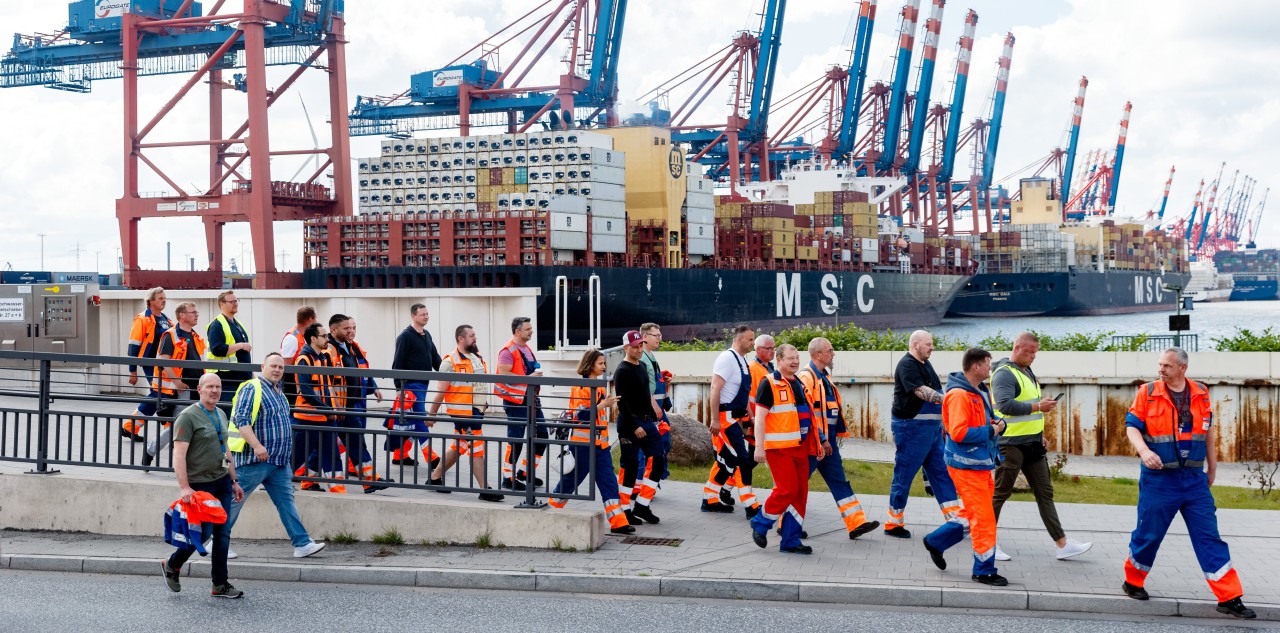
[291,345]
[519,401]
[144,338]
[972,452]
[175,385]
[731,392]
[759,368]
[1170,424]
[466,401]
[314,406]
[349,394]
[828,410]
[786,437]
[583,450]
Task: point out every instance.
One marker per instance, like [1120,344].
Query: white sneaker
[232,554]
[1073,548]
[208,547]
[307,550]
[1000,555]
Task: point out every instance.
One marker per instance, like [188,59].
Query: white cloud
[1202,79]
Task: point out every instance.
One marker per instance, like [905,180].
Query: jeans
[278,482]
[221,534]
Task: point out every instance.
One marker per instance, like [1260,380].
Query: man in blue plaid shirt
[263,449]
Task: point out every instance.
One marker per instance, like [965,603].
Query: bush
[1246,340]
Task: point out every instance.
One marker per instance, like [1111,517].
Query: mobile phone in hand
[1058,397]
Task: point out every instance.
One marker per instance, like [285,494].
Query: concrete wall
[1098,388]
[380,315]
[133,506]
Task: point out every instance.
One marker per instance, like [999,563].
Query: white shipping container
[702,231]
[608,191]
[701,185]
[700,200]
[609,243]
[700,216]
[574,240]
[701,246]
[588,139]
[568,204]
[568,222]
[608,209]
[870,251]
[608,226]
[605,173]
[599,157]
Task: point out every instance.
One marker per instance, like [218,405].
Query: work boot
[491,497]
[440,482]
[761,539]
[523,476]
[863,529]
[643,512]
[936,555]
[715,506]
[368,488]
[993,580]
[625,529]
[512,484]
[898,532]
[1235,607]
[799,549]
[175,585]
[803,533]
[751,512]
[1134,591]
[726,497]
[631,518]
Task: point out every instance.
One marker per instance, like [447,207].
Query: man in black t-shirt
[637,426]
[917,435]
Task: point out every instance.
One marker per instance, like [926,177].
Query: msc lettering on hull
[1148,290]
[790,294]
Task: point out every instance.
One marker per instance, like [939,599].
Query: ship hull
[690,303]
[1073,293]
[1257,289]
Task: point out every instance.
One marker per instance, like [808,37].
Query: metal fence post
[531,434]
[42,429]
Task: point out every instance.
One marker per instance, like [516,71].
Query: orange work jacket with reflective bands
[828,407]
[511,392]
[459,398]
[1154,414]
[169,380]
[580,403]
[789,422]
[307,406]
[302,342]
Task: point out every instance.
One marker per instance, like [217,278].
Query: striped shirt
[274,426]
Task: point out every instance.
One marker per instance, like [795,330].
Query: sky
[1201,76]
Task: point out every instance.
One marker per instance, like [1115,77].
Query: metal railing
[68,410]
[1156,342]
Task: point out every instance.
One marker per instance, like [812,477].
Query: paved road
[45,601]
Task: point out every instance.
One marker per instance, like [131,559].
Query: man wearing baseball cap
[637,426]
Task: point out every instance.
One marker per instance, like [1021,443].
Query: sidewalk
[716,558]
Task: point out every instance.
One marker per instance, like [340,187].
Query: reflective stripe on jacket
[1154,414]
[459,398]
[1028,391]
[513,392]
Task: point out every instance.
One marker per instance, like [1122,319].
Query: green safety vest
[1028,391]
[236,441]
[227,336]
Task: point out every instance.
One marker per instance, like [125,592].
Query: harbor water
[1208,321]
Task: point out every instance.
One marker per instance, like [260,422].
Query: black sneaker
[994,580]
[751,512]
[405,461]
[799,549]
[898,532]
[863,529]
[170,577]
[726,497]
[490,496]
[936,555]
[512,484]
[227,591]
[1235,607]
[626,529]
[147,458]
[716,507]
[1135,592]
[761,539]
[440,482]
[631,518]
[644,512]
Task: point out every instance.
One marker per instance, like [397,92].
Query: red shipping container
[495,175]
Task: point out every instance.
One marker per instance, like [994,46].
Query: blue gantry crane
[470,92]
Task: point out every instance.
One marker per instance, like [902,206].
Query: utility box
[43,317]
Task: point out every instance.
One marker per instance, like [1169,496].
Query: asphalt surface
[50,601]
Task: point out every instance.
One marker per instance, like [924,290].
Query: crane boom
[957,97]
[893,119]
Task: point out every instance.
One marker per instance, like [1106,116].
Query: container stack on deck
[1127,247]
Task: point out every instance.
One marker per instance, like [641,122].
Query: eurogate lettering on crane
[789,294]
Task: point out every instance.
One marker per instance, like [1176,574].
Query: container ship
[1035,265]
[617,218]
[1255,272]
[1208,284]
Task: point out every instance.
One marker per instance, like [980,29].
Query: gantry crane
[143,38]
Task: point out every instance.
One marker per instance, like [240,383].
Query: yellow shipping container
[807,253]
[825,208]
[787,238]
[773,224]
[824,197]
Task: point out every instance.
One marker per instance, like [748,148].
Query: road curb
[674,587]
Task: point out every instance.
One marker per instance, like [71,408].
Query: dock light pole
[1176,323]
